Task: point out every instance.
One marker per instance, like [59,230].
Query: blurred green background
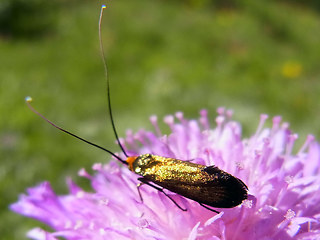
[163,56]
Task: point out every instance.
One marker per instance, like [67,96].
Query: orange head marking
[130,161]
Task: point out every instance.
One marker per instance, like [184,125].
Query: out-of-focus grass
[163,56]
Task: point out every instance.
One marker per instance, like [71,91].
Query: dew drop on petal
[247,203]
[290,214]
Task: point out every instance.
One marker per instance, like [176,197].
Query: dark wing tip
[232,190]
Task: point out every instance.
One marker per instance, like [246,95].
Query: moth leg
[189,160]
[138,187]
[210,209]
[144,181]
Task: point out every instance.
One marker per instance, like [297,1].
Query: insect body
[207,185]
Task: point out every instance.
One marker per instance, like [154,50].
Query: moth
[207,185]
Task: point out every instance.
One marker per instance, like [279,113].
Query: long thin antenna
[29,100]
[108,85]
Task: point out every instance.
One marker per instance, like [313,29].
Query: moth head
[137,164]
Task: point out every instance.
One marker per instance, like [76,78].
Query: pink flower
[284,201]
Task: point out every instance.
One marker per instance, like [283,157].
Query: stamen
[154,122]
[310,139]
[263,118]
